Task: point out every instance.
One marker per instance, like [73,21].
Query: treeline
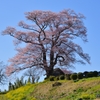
[19,82]
[75,76]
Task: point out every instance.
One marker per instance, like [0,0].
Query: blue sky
[12,11]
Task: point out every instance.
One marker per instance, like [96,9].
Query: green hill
[84,89]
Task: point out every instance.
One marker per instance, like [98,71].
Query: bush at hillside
[57,78]
[73,76]
[95,73]
[80,75]
[90,74]
[85,74]
[68,76]
[62,77]
[52,78]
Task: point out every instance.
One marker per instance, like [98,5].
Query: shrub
[95,73]
[56,84]
[56,78]
[85,74]
[90,74]
[80,75]
[73,76]
[68,76]
[52,78]
[62,77]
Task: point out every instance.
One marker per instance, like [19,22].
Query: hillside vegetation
[83,89]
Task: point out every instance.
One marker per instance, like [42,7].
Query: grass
[84,89]
[22,93]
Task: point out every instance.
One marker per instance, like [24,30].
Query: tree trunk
[49,72]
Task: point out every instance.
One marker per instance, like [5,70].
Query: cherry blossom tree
[49,41]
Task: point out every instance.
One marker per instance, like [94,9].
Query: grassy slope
[69,90]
